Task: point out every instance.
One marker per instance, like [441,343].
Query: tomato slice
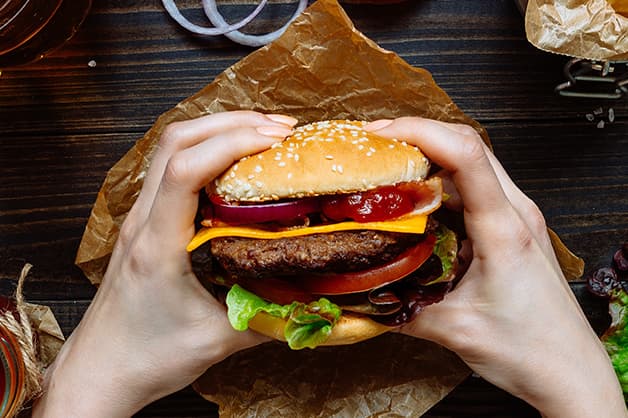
[361,281]
[278,291]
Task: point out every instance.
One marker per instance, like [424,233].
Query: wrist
[78,384]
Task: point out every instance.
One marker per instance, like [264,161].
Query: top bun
[328,157]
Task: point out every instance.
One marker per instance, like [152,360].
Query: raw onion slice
[174,13]
[265,212]
[211,10]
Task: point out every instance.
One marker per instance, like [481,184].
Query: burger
[326,238]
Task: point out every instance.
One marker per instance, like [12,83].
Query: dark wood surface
[64,123]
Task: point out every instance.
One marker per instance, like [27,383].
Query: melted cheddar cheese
[412,224]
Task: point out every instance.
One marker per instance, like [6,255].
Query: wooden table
[63,123]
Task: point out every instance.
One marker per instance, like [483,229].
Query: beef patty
[338,251]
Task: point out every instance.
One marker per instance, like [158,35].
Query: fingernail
[378,124]
[284,119]
[274,131]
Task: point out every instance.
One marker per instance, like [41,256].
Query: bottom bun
[349,329]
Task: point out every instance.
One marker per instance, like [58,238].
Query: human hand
[152,328]
[512,318]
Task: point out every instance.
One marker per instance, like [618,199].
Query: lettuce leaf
[308,325]
[615,339]
[446,248]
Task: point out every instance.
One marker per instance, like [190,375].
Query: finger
[463,155]
[181,135]
[454,201]
[433,322]
[189,170]
[528,211]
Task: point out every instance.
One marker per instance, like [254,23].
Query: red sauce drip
[383,203]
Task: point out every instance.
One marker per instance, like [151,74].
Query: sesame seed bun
[349,329]
[327,157]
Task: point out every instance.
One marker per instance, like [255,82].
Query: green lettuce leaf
[446,248]
[616,337]
[308,325]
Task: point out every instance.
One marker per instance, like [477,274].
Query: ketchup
[11,366]
[383,203]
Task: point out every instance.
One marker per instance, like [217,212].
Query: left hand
[152,328]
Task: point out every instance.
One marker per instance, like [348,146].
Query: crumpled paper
[49,335]
[321,68]
[590,29]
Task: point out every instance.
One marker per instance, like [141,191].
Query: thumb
[436,323]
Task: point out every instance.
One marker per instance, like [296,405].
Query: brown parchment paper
[48,332]
[321,68]
[590,29]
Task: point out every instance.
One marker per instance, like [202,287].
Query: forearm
[593,391]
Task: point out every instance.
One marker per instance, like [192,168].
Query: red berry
[621,261]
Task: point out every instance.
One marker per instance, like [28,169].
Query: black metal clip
[593,79]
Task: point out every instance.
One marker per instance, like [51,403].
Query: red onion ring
[264,212]
[174,13]
[211,10]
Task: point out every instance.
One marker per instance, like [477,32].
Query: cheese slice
[411,224]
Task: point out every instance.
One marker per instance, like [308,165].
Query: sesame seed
[235,167]
[360,147]
[329,157]
[250,176]
[333,168]
[391,146]
[259,183]
[258,168]
[404,143]
[371,149]
[276,145]
[260,156]
[232,174]
[282,164]
[296,157]
[340,170]
[289,155]
[368,154]
[289,175]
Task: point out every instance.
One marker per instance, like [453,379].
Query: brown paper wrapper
[590,29]
[391,375]
[321,68]
[48,332]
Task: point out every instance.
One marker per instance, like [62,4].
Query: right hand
[512,317]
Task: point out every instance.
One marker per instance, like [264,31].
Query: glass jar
[12,369]
[30,29]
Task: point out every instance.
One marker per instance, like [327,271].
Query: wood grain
[64,123]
